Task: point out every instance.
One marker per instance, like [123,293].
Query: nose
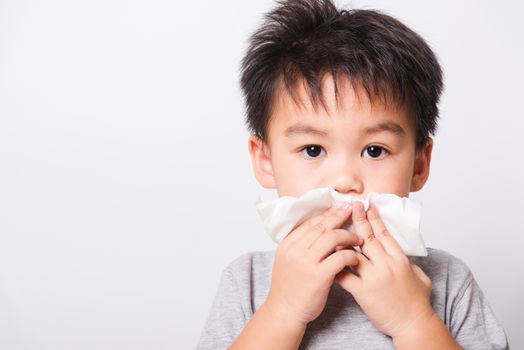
[347,179]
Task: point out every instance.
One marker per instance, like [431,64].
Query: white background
[125,182]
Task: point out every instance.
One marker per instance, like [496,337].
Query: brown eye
[374,152]
[312,151]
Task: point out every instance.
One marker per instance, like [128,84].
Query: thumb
[347,280]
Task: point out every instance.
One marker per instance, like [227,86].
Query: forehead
[340,103]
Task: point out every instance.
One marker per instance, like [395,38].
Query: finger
[372,247]
[352,280]
[334,263]
[349,281]
[389,243]
[338,216]
[327,243]
[330,220]
[297,232]
[363,264]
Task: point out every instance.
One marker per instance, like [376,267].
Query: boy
[348,100]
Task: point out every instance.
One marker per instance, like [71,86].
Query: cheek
[292,178]
[290,182]
[395,179]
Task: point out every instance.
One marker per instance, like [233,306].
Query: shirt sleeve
[473,323]
[227,319]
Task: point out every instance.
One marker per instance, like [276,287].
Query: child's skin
[362,147]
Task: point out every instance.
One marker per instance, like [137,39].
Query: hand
[306,263]
[393,292]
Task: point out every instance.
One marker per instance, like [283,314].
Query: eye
[374,152]
[312,151]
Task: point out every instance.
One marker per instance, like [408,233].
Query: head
[341,99]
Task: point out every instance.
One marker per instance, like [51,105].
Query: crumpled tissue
[400,215]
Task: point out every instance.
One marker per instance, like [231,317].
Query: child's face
[355,148]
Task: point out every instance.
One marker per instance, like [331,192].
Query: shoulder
[256,258]
[242,288]
[250,273]
[450,276]
[440,264]
[460,302]
[439,256]
[251,265]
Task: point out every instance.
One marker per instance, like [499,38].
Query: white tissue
[401,216]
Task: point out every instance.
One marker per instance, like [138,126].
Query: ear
[421,166]
[261,162]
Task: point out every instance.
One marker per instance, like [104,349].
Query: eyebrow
[301,128]
[385,126]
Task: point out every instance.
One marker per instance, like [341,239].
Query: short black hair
[306,39]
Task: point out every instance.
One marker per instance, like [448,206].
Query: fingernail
[346,206]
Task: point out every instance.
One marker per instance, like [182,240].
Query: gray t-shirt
[455,297]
